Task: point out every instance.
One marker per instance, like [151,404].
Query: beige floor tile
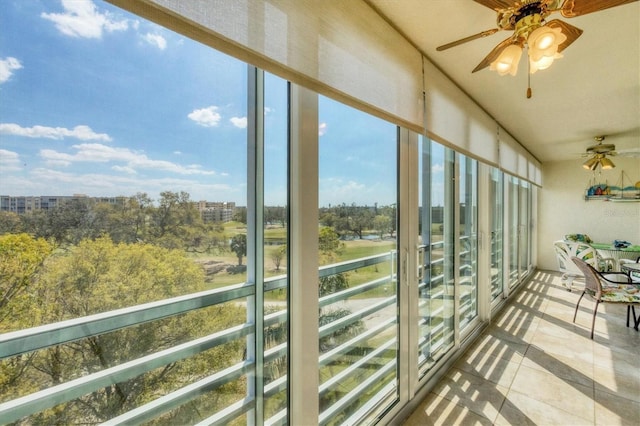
[576,347]
[477,394]
[521,410]
[608,355]
[625,384]
[534,366]
[572,397]
[614,410]
[560,366]
[437,410]
[494,369]
[487,344]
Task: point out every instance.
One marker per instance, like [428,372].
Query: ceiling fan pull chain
[529,80]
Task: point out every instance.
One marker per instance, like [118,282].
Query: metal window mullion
[303,256]
[255,236]
[455,232]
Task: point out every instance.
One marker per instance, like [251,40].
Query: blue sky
[96,101]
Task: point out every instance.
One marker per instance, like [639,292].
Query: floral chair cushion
[582,238]
[623,293]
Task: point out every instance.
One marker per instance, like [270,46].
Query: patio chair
[613,287]
[565,250]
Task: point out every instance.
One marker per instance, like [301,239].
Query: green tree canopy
[21,257]
[239,246]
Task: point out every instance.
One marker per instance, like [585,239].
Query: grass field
[353,249]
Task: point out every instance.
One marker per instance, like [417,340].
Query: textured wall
[563,209]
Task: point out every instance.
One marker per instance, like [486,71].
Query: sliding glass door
[358,246]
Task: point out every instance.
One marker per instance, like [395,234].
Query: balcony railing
[367,359]
[18,343]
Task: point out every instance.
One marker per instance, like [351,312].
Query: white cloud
[81,132]
[437,168]
[82,19]
[155,40]
[207,117]
[322,129]
[7,66]
[98,153]
[9,160]
[239,122]
[124,169]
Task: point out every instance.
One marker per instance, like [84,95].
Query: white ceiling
[593,90]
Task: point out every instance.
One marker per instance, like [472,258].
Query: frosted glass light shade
[590,164]
[544,41]
[543,63]
[507,62]
[606,164]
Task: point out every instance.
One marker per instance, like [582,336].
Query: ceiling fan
[598,155]
[528,21]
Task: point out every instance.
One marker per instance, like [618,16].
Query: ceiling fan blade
[573,8]
[570,31]
[493,55]
[466,39]
[496,4]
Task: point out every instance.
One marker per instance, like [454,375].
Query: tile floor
[533,366]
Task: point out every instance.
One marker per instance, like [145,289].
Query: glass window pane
[514,228]
[357,288]
[467,241]
[436,286]
[275,245]
[128,173]
[497,196]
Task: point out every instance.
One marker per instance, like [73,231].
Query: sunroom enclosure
[354,290]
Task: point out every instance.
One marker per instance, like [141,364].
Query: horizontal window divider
[352,291]
[275,352]
[273,318]
[230,413]
[353,368]
[274,283]
[278,419]
[349,265]
[19,342]
[47,398]
[373,403]
[276,386]
[168,402]
[327,357]
[327,329]
[356,392]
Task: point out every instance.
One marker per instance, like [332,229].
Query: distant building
[28,204]
[210,211]
[216,211]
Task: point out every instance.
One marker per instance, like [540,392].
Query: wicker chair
[614,287]
[565,250]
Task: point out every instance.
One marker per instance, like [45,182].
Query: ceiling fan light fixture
[543,63]
[606,164]
[544,41]
[507,62]
[590,164]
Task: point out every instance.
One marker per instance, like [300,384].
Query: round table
[617,253]
[633,269]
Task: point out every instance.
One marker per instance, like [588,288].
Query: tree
[239,246]
[382,224]
[329,244]
[10,223]
[277,255]
[21,257]
[99,275]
